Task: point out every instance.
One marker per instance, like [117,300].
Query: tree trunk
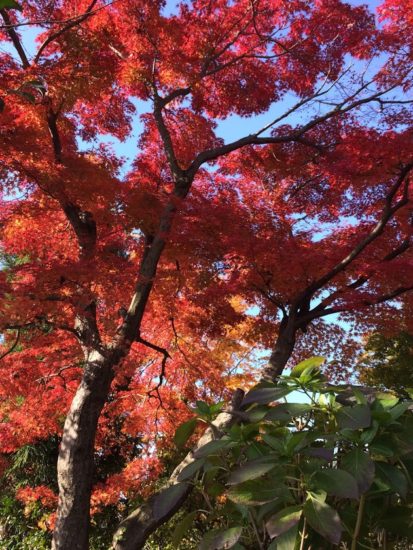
[144,520]
[280,355]
[75,467]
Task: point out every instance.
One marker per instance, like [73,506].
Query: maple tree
[127,291]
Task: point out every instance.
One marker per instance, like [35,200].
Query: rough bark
[75,465]
[280,355]
[144,520]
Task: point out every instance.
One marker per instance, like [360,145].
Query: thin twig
[13,347]
[166,356]
[40,22]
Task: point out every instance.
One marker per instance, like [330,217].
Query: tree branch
[67,26]
[13,346]
[14,37]
[166,356]
[391,295]
[295,135]
[166,137]
[378,229]
[360,281]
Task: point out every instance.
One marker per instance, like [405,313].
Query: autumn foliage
[139,243]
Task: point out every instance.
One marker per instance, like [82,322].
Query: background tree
[129,289]
[387,362]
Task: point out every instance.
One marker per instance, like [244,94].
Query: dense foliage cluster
[334,469]
[387,362]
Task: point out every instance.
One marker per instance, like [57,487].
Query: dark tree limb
[388,212]
[165,358]
[13,346]
[14,37]
[345,106]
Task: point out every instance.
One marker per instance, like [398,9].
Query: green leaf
[182,528]
[203,408]
[296,442]
[214,447]
[323,519]
[250,470]
[266,510]
[162,505]
[287,540]
[336,482]
[360,466]
[385,401]
[243,432]
[392,477]
[184,432]
[265,395]
[322,453]
[276,443]
[217,407]
[190,470]
[311,363]
[398,410]
[256,491]
[283,521]
[383,446]
[369,434]
[353,418]
[360,397]
[285,411]
[221,539]
[9,4]
[257,413]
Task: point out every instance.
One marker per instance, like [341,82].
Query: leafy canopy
[307,217]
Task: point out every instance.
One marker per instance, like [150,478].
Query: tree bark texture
[75,467]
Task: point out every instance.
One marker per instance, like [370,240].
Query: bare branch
[47,377]
[294,136]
